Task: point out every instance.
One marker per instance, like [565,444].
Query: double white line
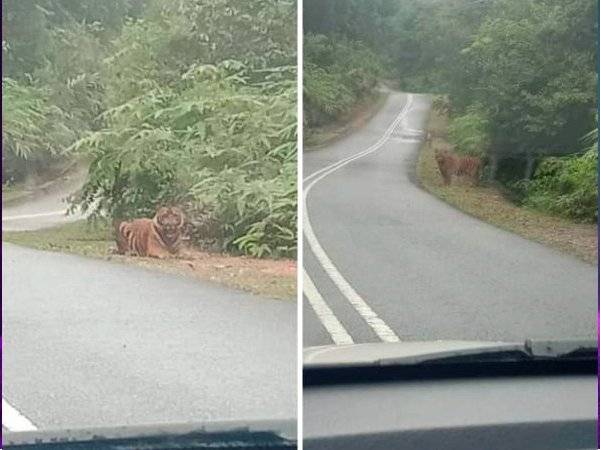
[334,327]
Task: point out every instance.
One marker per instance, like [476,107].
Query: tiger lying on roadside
[159,237]
[451,164]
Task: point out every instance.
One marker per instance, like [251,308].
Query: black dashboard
[483,413]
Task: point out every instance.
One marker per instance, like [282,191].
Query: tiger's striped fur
[158,237]
[450,165]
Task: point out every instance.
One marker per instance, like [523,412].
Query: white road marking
[383,331]
[13,420]
[391,128]
[336,330]
[31,216]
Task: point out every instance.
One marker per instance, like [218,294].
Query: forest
[188,102]
[517,79]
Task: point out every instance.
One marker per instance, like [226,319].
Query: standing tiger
[451,164]
[158,237]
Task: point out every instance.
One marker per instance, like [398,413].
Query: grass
[490,204]
[76,237]
[360,114]
[14,194]
[268,278]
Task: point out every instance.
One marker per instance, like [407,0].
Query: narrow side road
[46,209]
[391,262]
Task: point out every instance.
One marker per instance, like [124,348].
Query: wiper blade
[442,352]
[574,348]
[380,362]
[272,434]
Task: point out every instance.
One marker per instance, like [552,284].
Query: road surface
[386,261]
[91,343]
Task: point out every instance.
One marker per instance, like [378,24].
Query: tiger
[451,164]
[159,237]
[470,166]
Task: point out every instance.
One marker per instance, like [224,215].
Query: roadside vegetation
[173,102]
[338,73]
[516,81]
[357,116]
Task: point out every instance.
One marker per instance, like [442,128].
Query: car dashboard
[463,413]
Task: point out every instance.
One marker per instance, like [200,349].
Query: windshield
[149,201]
[450,174]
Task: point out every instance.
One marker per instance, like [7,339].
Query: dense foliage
[518,79]
[567,186]
[52,51]
[337,74]
[470,133]
[177,102]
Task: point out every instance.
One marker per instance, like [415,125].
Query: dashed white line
[31,216]
[336,330]
[383,331]
[13,420]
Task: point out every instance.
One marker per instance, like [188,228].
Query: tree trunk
[493,166]
[529,166]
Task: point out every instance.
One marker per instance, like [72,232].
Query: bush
[325,95]
[33,130]
[201,112]
[215,142]
[567,186]
[469,133]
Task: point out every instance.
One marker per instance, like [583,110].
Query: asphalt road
[391,262]
[91,343]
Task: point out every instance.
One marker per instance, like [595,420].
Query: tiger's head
[169,220]
[441,155]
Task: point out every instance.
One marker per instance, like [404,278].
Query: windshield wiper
[275,434]
[531,350]
[439,359]
[579,348]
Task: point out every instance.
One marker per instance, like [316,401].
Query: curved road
[90,343]
[47,208]
[386,261]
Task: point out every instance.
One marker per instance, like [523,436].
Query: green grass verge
[490,204]
[11,195]
[78,237]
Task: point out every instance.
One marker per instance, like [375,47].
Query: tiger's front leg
[158,253]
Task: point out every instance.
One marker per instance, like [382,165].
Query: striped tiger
[451,164]
[158,237]
[469,166]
